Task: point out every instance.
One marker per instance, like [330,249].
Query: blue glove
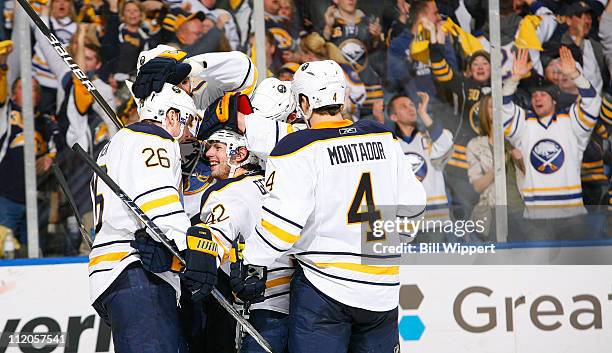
[224,113]
[157,71]
[200,275]
[248,282]
[155,257]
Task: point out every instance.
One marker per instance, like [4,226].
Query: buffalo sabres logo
[284,41]
[419,166]
[547,156]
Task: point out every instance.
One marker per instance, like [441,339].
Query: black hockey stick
[76,70]
[64,186]
[166,242]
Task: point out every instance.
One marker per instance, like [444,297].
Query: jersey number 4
[356,212]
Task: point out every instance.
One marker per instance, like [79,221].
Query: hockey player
[427,151]
[231,208]
[554,141]
[274,112]
[134,286]
[324,184]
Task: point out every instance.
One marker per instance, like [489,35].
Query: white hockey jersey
[262,134]
[223,72]
[319,180]
[426,153]
[144,160]
[553,151]
[232,207]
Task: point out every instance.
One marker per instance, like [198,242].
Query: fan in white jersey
[428,152]
[553,143]
[325,183]
[134,284]
[231,208]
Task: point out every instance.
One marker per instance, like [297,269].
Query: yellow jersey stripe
[458,164]
[369,269]
[600,177]
[592,164]
[163,201]
[461,157]
[561,205]
[279,233]
[251,87]
[442,71]
[278,281]
[436,198]
[113,256]
[560,188]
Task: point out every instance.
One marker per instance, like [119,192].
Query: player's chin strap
[305,116]
[235,166]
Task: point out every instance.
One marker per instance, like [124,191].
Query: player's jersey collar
[332,124]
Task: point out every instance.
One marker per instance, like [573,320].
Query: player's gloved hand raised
[157,71]
[248,282]
[155,257]
[224,113]
[200,275]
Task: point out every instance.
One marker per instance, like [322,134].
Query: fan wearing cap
[553,142]
[285,73]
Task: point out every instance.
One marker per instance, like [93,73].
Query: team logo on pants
[547,156]
[419,166]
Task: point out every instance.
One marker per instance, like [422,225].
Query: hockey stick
[64,186]
[76,70]
[162,238]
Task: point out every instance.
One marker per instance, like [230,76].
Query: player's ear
[241,154]
[304,103]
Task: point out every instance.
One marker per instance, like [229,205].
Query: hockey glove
[224,113]
[248,282]
[157,71]
[200,275]
[155,257]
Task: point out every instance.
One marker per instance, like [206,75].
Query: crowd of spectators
[421,67]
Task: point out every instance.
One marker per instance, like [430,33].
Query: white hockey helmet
[321,82]
[273,99]
[233,141]
[156,105]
